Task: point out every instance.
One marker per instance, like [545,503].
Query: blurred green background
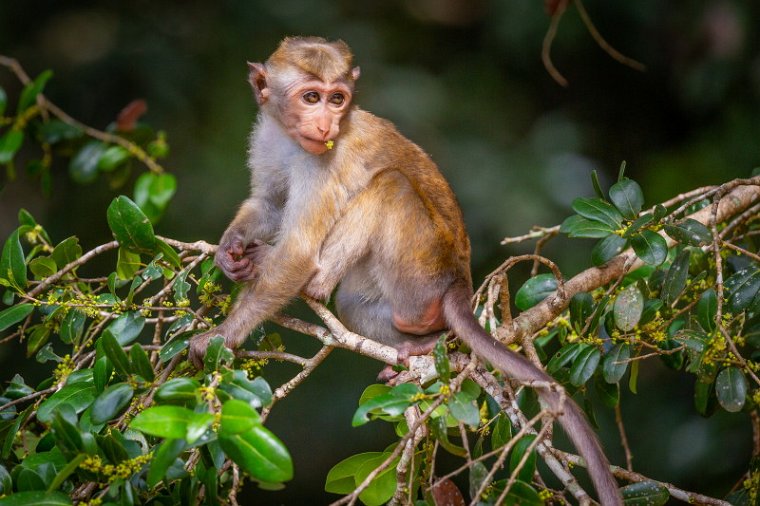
[462,78]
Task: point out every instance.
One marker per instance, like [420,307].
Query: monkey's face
[313,113]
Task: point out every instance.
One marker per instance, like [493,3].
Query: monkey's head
[308,84]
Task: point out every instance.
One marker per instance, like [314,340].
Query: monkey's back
[430,218]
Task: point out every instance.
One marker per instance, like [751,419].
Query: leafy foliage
[123,418]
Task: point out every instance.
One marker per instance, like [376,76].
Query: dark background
[462,78]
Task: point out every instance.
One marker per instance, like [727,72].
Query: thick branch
[535,318]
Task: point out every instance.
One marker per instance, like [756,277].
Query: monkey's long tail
[456,309]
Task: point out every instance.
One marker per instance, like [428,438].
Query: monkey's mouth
[315,146]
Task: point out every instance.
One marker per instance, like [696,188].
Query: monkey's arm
[284,270]
[243,246]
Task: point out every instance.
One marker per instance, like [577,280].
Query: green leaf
[67,471]
[17,388]
[598,210]
[526,472]
[112,157]
[393,403]
[216,354]
[36,498]
[608,393]
[255,392]
[596,185]
[633,379]
[650,247]
[502,432]
[141,363]
[441,359]
[78,395]
[10,143]
[259,453]
[127,263]
[341,479]
[127,327]
[535,290]
[101,373]
[578,226]
[83,167]
[707,308]
[581,308]
[645,493]
[163,457]
[173,348]
[627,196]
[130,226]
[153,192]
[741,288]
[731,389]
[439,432]
[39,336]
[564,356]
[382,487]
[12,264]
[11,436]
[31,90]
[689,232]
[607,248]
[621,171]
[178,390]
[110,402]
[47,354]
[637,225]
[628,308]
[197,426]
[651,306]
[675,279]
[170,255]
[115,353]
[163,421]
[616,362]
[522,494]
[238,417]
[3,104]
[72,326]
[66,251]
[584,365]
[65,429]
[14,314]
[464,409]
[42,267]
[55,131]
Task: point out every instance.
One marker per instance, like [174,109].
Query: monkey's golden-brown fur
[372,216]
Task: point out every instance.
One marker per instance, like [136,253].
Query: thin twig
[606,47]
[623,438]
[551,33]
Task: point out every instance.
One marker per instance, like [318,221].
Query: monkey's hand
[239,261]
[198,345]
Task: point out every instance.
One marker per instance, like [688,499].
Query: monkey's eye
[337,98]
[311,97]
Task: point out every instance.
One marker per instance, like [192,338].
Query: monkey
[341,199]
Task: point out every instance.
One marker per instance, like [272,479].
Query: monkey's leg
[374,318]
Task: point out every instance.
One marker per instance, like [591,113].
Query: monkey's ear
[355,73]
[257,76]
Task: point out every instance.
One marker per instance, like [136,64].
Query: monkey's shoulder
[383,147]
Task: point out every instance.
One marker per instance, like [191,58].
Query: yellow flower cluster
[122,470]
[545,495]
[95,501]
[253,367]
[206,297]
[752,485]
[64,368]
